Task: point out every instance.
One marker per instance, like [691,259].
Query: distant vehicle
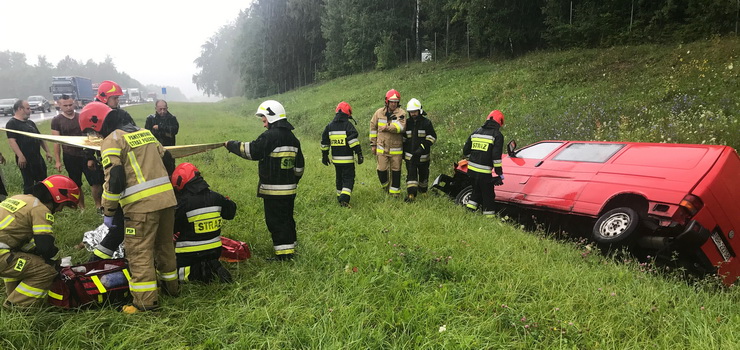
[124,98]
[134,96]
[151,97]
[39,103]
[78,88]
[6,106]
[658,197]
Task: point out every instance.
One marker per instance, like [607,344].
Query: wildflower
[524,319]
[443,328]
[504,306]
[613,294]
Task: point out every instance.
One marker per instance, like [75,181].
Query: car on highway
[658,197]
[6,106]
[39,103]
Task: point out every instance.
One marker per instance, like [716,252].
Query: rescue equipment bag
[91,284]
[233,250]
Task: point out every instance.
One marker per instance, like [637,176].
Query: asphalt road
[36,117]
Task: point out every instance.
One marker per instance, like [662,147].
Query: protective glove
[498,181]
[108,222]
[360,158]
[325,158]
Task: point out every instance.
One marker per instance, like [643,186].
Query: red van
[663,197]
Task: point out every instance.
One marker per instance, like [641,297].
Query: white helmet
[414,105]
[272,110]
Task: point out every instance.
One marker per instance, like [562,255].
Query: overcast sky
[154,41]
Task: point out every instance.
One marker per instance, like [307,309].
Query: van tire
[616,227]
[463,197]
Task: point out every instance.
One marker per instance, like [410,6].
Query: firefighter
[198,219]
[386,141]
[420,136]
[280,168]
[109,93]
[26,240]
[137,180]
[340,136]
[483,150]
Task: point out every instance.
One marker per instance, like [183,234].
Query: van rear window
[589,152]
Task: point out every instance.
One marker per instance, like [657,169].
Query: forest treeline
[21,79]
[278,45]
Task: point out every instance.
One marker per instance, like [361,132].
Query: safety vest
[484,148]
[341,137]
[147,184]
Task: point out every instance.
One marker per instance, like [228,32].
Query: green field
[429,275]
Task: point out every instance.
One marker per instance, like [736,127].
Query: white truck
[134,95]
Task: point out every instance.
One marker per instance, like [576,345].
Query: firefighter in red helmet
[26,240]
[483,150]
[340,137]
[137,180]
[386,141]
[198,218]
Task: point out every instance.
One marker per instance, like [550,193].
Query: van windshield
[538,150]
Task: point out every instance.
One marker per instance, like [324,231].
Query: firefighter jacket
[388,142]
[25,225]
[280,159]
[198,219]
[484,148]
[342,138]
[135,174]
[167,127]
[419,138]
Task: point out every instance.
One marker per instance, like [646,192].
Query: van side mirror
[511,148]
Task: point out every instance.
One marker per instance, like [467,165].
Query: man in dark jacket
[162,124]
[198,218]
[340,136]
[417,145]
[483,150]
[280,168]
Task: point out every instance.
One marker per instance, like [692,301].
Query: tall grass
[388,274]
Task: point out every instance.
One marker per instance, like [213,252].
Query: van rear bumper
[693,236]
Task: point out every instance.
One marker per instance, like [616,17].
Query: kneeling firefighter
[26,241]
[198,219]
[137,179]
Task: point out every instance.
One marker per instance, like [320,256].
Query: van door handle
[539,163]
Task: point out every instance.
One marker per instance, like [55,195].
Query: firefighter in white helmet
[417,145]
[280,168]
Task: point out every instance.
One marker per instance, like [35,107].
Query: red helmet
[62,189]
[345,108]
[496,116]
[93,115]
[107,89]
[183,174]
[392,95]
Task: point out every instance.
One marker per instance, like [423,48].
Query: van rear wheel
[616,227]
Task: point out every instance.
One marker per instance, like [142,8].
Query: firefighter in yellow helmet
[386,141]
[137,179]
[26,240]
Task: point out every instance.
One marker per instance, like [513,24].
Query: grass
[387,274]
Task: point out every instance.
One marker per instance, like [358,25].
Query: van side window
[538,150]
[589,152]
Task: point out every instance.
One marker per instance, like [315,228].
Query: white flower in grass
[443,328]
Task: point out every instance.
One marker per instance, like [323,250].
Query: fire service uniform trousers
[392,161]
[345,181]
[280,223]
[27,278]
[143,231]
[417,177]
[483,195]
